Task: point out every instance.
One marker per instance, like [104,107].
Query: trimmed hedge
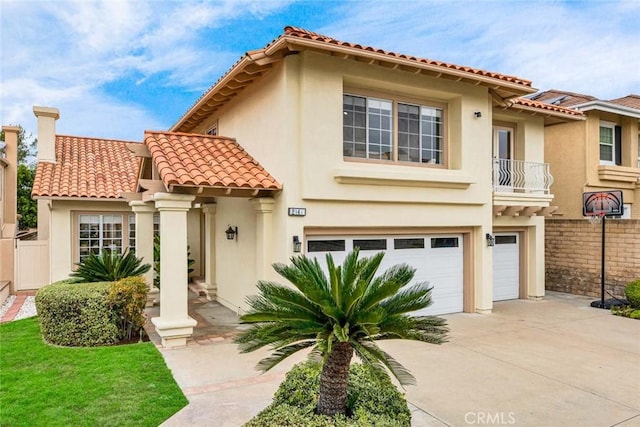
[76,314]
[91,314]
[632,292]
[372,399]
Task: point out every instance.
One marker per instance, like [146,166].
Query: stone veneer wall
[573,248]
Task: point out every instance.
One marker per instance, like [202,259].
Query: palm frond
[280,354]
[372,352]
[387,284]
[287,297]
[414,298]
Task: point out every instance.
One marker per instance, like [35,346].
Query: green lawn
[43,385]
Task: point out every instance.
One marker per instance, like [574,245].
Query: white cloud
[589,47]
[62,53]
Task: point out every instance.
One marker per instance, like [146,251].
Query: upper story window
[610,144]
[392,130]
[213,130]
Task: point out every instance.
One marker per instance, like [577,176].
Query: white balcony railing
[517,176]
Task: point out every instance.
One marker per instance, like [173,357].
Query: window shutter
[618,145]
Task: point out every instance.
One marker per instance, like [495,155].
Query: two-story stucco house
[599,153]
[329,146]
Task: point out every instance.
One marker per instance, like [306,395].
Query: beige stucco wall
[291,121]
[62,232]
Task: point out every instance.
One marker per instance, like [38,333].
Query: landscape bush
[632,292]
[76,315]
[91,314]
[372,400]
[126,299]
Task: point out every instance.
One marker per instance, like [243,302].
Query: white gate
[31,264]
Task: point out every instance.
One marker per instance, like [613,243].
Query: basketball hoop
[595,219]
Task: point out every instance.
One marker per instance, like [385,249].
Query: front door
[503,158]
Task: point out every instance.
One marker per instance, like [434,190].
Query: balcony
[521,188]
[521,177]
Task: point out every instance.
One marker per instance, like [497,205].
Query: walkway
[21,297]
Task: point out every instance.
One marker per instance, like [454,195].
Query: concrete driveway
[554,362]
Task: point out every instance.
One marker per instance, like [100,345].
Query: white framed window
[626,211]
[392,130]
[213,130]
[607,143]
[97,232]
[132,229]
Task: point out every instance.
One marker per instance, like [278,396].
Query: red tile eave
[541,107]
[194,160]
[299,37]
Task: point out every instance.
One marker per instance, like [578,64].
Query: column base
[153,296]
[174,332]
[483,310]
[210,290]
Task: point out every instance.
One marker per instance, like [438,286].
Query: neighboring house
[350,146]
[599,153]
[8,208]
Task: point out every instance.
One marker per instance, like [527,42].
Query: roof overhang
[552,114]
[609,108]
[255,63]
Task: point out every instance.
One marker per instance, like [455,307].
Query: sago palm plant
[109,266]
[338,314]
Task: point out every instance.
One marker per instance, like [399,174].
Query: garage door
[506,267]
[438,259]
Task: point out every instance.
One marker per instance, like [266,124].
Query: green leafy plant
[156,261]
[76,316]
[127,298]
[372,400]
[339,315]
[109,266]
[632,292]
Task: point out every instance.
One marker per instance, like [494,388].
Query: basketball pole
[604,218]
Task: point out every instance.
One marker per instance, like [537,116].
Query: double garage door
[438,260]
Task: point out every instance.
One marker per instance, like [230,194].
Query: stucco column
[174,324]
[483,270]
[535,250]
[144,242]
[209,287]
[264,236]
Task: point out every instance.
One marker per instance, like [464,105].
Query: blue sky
[115,68]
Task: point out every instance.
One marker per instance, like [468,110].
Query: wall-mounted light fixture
[477,114]
[491,240]
[232,233]
[297,244]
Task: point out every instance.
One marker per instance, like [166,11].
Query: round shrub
[632,292]
[635,314]
[76,314]
[372,400]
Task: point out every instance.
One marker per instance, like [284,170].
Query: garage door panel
[438,260]
[506,267]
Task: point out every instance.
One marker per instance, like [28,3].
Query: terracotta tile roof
[561,98]
[305,34]
[202,160]
[87,168]
[631,101]
[548,107]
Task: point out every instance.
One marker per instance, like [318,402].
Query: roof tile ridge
[200,135]
[93,138]
[293,31]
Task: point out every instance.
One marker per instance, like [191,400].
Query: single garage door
[506,267]
[438,259]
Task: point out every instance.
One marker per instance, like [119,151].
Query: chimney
[10,183]
[47,117]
